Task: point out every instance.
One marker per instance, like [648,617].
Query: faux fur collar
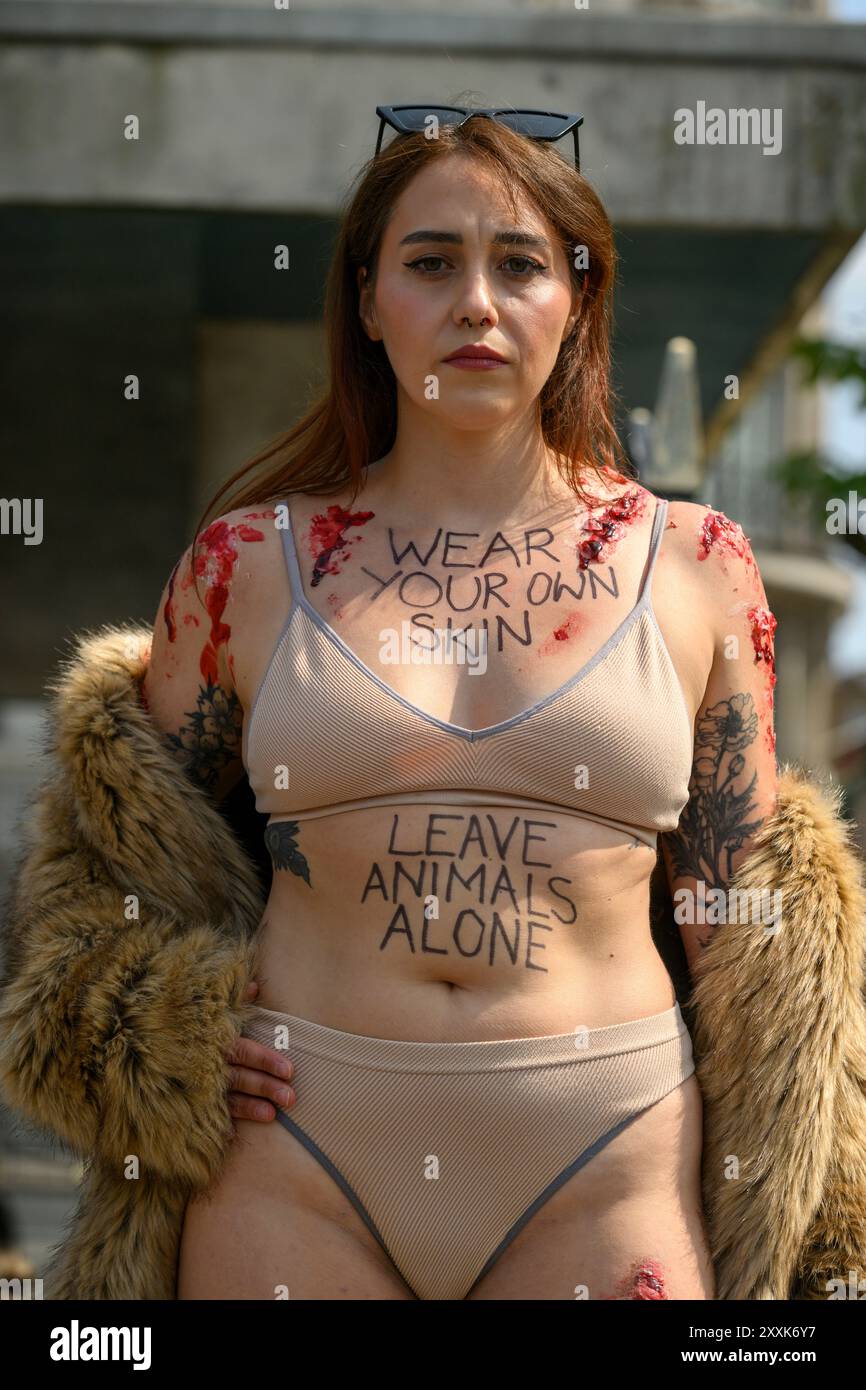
[154,826]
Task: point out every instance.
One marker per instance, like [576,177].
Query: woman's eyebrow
[507,237]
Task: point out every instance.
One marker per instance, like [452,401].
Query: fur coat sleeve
[129,934]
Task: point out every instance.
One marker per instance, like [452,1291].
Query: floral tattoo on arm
[715,822]
[213,738]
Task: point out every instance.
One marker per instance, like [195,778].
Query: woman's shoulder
[712,558]
[224,574]
[234,531]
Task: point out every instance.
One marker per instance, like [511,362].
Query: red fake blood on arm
[328,541]
[215,562]
[645,1282]
[168,610]
[602,533]
[762,624]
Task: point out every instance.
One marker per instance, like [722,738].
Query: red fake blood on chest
[644,1282]
[602,533]
[569,628]
[762,625]
[328,541]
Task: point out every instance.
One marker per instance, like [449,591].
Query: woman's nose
[475,301]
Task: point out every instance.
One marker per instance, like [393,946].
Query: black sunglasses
[537,125]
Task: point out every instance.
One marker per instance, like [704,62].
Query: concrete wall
[259,109]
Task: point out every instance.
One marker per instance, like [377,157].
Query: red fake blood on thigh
[644,1281]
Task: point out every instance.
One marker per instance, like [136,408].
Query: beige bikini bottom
[447,1149]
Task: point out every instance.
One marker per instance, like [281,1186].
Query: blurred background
[154,155]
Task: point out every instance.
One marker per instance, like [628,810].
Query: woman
[491,1090]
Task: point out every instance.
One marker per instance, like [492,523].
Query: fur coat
[129,934]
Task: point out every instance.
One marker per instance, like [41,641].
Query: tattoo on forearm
[715,822]
[212,740]
[281,842]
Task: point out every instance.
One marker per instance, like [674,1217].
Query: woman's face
[445,279]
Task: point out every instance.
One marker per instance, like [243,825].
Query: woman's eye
[422,260]
[528,261]
[532,266]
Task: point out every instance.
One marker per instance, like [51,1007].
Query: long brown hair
[353,422]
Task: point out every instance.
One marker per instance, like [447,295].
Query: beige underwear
[447,1149]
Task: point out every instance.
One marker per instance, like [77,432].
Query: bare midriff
[446,922]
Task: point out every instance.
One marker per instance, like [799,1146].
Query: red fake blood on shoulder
[601,533]
[718,534]
[645,1282]
[328,541]
[762,625]
[215,560]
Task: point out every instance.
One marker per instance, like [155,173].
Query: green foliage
[810,473]
[826,361]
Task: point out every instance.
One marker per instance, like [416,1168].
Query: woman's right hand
[257,1071]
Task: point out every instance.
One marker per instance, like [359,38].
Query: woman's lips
[475,364]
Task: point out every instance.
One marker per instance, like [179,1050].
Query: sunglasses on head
[537,125]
